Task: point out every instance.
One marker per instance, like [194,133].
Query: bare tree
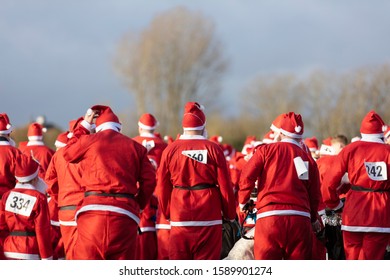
[265,98]
[176,59]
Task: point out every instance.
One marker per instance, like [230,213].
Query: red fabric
[68,231]
[63,180]
[41,153]
[283,237]
[38,222]
[195,243]
[177,169]
[105,235]
[195,207]
[360,206]
[273,166]
[105,159]
[8,157]
[365,245]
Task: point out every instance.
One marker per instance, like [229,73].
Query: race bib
[302,168]
[376,171]
[198,155]
[20,203]
[148,144]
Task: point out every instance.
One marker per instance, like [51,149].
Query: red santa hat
[35,132]
[194,117]
[268,137]
[5,125]
[372,125]
[62,139]
[106,119]
[292,125]
[26,169]
[326,147]
[312,143]
[148,121]
[277,123]
[216,139]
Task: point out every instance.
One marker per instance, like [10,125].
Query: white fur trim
[109,125]
[59,144]
[35,138]
[194,128]
[290,134]
[298,128]
[27,178]
[274,128]
[143,126]
[371,137]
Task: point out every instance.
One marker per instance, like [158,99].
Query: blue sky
[56,56]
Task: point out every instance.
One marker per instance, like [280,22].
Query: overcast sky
[56,56]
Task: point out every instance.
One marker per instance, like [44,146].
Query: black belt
[363,189]
[196,187]
[22,233]
[68,207]
[127,195]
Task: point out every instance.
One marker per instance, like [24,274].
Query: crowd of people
[103,195]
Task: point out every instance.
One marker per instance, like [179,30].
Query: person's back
[194,190]
[36,148]
[366,162]
[25,215]
[118,179]
[288,194]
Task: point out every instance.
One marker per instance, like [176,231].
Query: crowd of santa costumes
[48,229]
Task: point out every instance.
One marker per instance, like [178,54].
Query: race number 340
[376,171]
[20,203]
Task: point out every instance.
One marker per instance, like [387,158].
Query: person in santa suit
[37,148]
[312,144]
[8,156]
[332,243]
[24,214]
[288,194]
[64,188]
[151,245]
[366,213]
[194,190]
[119,181]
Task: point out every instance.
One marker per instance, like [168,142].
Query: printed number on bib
[377,171]
[198,155]
[20,203]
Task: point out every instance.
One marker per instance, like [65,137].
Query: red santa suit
[25,215]
[119,181]
[366,213]
[36,148]
[8,156]
[64,187]
[147,239]
[195,191]
[288,195]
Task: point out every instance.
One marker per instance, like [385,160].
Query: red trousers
[195,243]
[105,235]
[283,237]
[163,244]
[68,231]
[146,246]
[365,245]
